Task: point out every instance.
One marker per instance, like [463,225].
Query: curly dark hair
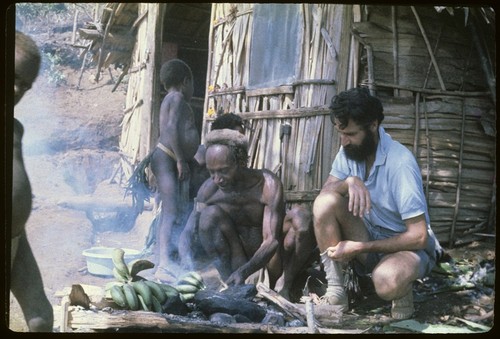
[356,104]
[234,140]
[240,155]
[227,120]
[173,73]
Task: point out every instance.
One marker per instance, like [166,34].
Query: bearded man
[372,208]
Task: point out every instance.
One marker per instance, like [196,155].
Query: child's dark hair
[173,73]
[27,52]
[227,120]
[356,104]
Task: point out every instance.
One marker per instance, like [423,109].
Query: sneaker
[403,308]
[335,299]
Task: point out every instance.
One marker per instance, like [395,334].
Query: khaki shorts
[427,256]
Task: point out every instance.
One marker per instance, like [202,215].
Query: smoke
[34,112]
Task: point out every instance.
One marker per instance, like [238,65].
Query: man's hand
[236,278]
[359,197]
[183,170]
[344,251]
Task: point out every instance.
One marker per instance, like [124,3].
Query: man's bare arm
[415,238]
[272,223]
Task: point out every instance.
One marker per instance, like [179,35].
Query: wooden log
[284,304]
[82,321]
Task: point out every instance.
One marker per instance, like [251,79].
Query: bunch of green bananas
[133,292]
[124,272]
[142,295]
[188,285]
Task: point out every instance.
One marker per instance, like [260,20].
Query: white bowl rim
[93,252]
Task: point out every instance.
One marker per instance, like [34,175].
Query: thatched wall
[304,158]
[428,68]
[139,130]
[433,74]
[422,71]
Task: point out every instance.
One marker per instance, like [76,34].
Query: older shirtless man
[298,237]
[239,211]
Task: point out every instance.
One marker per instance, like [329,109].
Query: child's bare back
[177,126]
[177,145]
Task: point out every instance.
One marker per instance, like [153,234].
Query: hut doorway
[185,35]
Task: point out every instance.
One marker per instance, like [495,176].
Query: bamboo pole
[371,77]
[224,46]
[369,56]
[459,181]
[82,68]
[424,35]
[485,62]
[395,56]
[75,20]
[430,63]
[433,91]
[427,142]
[417,124]
[120,78]
[103,43]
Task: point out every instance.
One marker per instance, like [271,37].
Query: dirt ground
[71,147]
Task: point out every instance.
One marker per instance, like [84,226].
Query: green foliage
[32,11]
[50,63]
[42,17]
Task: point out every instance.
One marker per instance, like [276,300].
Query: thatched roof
[113,37]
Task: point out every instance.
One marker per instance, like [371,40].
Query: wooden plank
[284,304]
[270,91]
[300,196]
[84,321]
[325,315]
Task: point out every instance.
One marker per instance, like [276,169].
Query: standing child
[177,145]
[26,281]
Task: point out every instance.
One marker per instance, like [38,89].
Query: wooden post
[73,36]
[310,316]
[103,43]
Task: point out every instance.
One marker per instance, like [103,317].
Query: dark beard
[361,152]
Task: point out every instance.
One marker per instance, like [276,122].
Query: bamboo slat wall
[139,129]
[446,117]
[304,158]
[424,71]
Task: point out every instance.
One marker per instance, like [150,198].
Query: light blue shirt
[394,183]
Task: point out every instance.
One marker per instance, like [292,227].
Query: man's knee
[326,204]
[392,276]
[301,217]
